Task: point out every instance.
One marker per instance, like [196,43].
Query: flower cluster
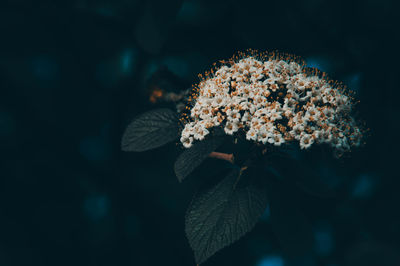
[271,99]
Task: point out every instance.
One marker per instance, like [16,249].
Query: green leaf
[301,173]
[191,158]
[221,215]
[288,222]
[151,130]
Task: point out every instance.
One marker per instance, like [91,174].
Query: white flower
[288,112]
[218,101]
[233,115]
[246,117]
[262,137]
[296,131]
[268,64]
[274,115]
[251,134]
[187,141]
[301,84]
[278,139]
[206,113]
[271,80]
[215,121]
[271,139]
[294,67]
[200,132]
[306,141]
[231,127]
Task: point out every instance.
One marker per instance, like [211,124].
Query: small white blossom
[251,134]
[278,139]
[275,115]
[306,141]
[187,141]
[231,127]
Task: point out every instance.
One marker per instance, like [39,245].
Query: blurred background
[74,73]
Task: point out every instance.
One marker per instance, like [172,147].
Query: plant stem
[222,156]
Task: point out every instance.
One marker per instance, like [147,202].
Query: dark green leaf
[151,130]
[195,155]
[301,174]
[221,215]
[287,221]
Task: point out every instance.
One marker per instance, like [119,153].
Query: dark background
[74,73]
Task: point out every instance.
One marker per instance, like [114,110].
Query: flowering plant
[272,99]
[262,105]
